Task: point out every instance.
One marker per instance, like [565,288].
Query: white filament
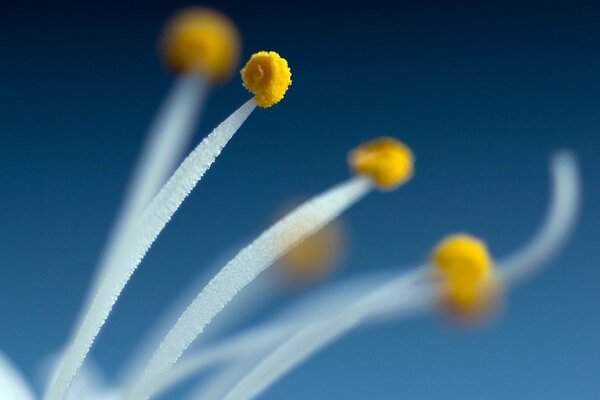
[558,224]
[243,268]
[153,336]
[144,233]
[217,386]
[402,295]
[242,346]
[168,137]
[318,306]
[165,143]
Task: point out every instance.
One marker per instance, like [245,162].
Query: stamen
[203,45]
[166,141]
[202,41]
[470,284]
[317,307]
[400,295]
[245,267]
[462,260]
[387,161]
[196,36]
[149,226]
[473,285]
[241,346]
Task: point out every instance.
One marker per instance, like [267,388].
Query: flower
[385,163]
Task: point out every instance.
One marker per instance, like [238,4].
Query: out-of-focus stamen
[468,276]
[244,268]
[201,41]
[387,161]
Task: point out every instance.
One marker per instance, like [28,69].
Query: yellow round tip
[268,76]
[471,287]
[464,253]
[204,41]
[387,161]
[316,256]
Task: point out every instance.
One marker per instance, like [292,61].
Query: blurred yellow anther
[202,40]
[316,256]
[387,161]
[471,286]
[465,254]
[268,76]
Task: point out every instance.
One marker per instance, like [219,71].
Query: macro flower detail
[387,161]
[204,41]
[268,76]
[244,268]
[459,276]
[407,294]
[468,274]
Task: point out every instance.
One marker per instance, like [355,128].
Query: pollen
[268,76]
[471,287]
[387,161]
[204,41]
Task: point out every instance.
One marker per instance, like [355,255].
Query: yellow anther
[464,254]
[471,286]
[268,76]
[316,256]
[202,40]
[387,161]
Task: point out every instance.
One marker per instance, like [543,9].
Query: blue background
[483,92]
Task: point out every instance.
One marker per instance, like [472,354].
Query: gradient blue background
[483,93]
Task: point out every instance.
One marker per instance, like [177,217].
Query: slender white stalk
[217,386]
[403,295]
[244,267]
[150,224]
[242,308]
[558,224]
[12,384]
[90,384]
[318,306]
[141,354]
[166,141]
[242,346]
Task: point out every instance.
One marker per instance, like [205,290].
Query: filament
[557,226]
[318,306]
[246,266]
[147,229]
[400,294]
